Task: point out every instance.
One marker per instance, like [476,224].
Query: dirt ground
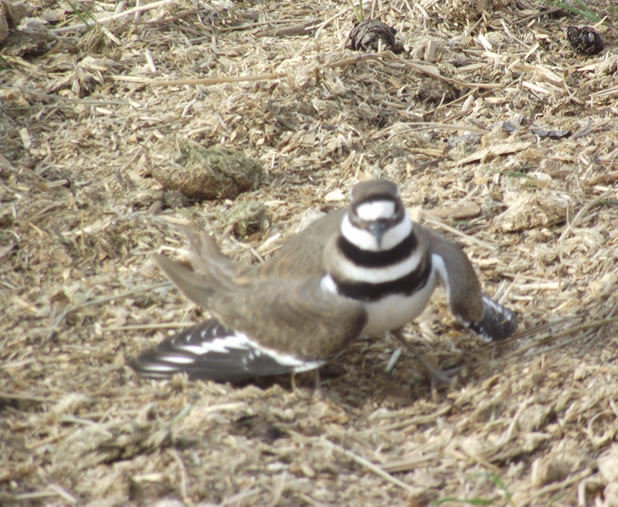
[501,137]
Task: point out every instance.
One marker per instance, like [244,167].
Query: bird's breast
[396,310]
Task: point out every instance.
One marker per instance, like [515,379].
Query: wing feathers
[211,351]
[462,285]
[291,315]
[497,322]
[191,284]
[490,320]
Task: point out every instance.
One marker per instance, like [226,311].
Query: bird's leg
[437,376]
[317,389]
[317,385]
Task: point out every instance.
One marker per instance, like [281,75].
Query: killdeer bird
[362,270]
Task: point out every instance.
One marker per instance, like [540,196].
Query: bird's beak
[378,228]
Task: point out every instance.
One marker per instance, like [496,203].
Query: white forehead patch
[374,210]
[366,241]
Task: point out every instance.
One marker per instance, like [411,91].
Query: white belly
[395,311]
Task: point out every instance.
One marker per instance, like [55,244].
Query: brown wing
[205,252]
[462,285]
[301,255]
[280,313]
[198,287]
[488,318]
[291,315]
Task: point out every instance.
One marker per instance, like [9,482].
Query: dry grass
[531,421]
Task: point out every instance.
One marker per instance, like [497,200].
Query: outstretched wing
[299,257]
[211,351]
[262,327]
[490,320]
[497,322]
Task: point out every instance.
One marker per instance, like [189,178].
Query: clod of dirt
[585,40]
[21,35]
[246,218]
[11,15]
[31,39]
[366,35]
[204,173]
[174,199]
[527,211]
[4,23]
